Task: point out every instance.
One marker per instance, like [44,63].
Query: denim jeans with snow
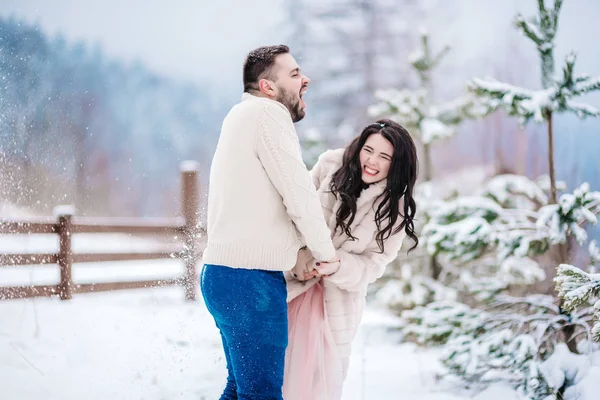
[250,310]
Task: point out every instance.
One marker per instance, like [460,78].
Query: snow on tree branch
[495,236]
[515,191]
[575,286]
[463,207]
[520,271]
[557,93]
[464,240]
[422,60]
[530,29]
[596,328]
[542,29]
[505,342]
[578,288]
[571,211]
[467,228]
[413,290]
[457,110]
[414,109]
[439,321]
[582,110]
[500,355]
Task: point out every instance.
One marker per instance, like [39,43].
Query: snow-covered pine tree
[415,109]
[580,290]
[469,227]
[351,48]
[416,282]
[494,238]
[489,244]
[557,94]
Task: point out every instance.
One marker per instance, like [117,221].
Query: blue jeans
[250,310]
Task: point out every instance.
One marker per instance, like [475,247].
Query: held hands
[307,267]
[322,268]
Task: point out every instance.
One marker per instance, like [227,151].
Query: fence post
[65,254]
[190,200]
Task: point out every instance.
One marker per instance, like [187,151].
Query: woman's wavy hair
[347,184]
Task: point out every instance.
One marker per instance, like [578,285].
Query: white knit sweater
[262,204]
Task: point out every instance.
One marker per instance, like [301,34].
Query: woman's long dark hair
[347,183]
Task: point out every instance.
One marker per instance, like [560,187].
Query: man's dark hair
[259,64]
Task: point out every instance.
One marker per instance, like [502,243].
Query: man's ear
[267,87]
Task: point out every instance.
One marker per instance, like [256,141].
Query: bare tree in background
[350,48]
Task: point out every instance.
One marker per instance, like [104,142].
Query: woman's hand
[308,268]
[311,274]
[326,268]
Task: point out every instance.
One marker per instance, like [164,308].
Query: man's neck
[258,93]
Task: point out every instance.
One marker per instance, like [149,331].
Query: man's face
[290,85]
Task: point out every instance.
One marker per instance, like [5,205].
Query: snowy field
[152,344]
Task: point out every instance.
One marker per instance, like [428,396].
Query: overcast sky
[201,40]
[190,39]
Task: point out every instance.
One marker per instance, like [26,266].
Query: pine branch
[521,212]
[496,356]
[575,286]
[414,109]
[530,29]
[529,302]
[440,56]
[516,192]
[492,88]
[460,109]
[582,110]
[586,85]
[596,328]
[404,106]
[423,61]
[549,19]
[546,19]
[556,11]
[568,75]
[541,7]
[556,95]
[516,228]
[585,329]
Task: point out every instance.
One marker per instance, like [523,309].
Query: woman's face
[376,158]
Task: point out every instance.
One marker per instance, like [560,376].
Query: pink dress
[313,368]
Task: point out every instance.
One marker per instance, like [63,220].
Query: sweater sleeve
[357,271]
[278,149]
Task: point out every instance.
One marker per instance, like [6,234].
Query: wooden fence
[186,228]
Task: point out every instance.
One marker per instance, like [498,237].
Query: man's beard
[292,103]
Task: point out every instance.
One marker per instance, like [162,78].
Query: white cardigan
[361,260]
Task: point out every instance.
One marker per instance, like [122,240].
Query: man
[262,207]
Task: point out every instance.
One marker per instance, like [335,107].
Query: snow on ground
[151,344]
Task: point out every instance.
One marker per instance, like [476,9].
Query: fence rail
[185,229]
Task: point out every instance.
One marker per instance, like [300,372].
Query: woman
[366,193]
